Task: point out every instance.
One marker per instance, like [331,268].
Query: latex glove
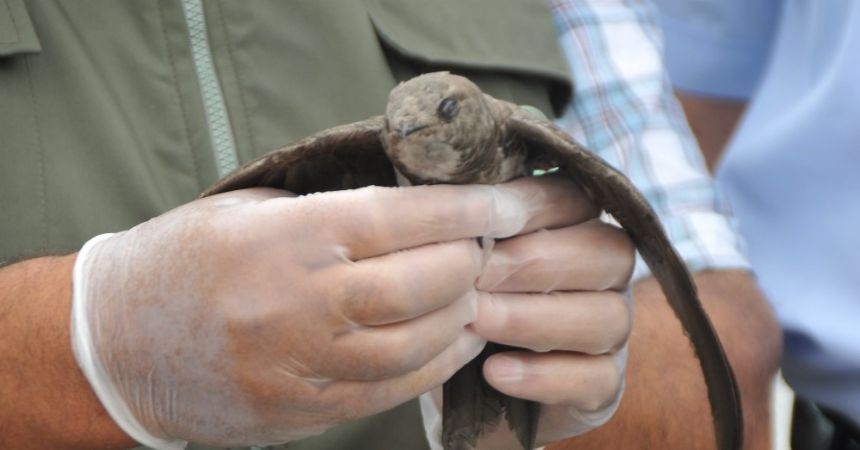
[562,293]
[256,318]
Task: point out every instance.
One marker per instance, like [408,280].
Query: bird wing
[343,157]
[614,193]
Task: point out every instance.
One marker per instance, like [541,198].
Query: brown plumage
[440,128]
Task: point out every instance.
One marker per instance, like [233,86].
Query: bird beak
[407,129]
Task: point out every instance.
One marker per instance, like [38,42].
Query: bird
[441,128]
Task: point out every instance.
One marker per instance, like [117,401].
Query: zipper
[217,120]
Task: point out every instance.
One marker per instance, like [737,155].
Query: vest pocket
[17,35]
[508,47]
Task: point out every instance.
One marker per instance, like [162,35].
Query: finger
[373,353]
[587,322]
[380,395]
[373,221]
[589,256]
[562,202]
[402,285]
[256,193]
[585,382]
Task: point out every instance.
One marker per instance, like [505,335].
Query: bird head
[434,124]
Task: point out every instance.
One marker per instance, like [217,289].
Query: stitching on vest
[14,25]
[198,176]
[43,182]
[239,81]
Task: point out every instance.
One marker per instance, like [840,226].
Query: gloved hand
[254,318]
[562,293]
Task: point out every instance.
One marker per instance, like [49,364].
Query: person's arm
[253,317]
[712,120]
[665,404]
[45,401]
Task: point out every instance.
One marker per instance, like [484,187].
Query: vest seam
[239,80]
[14,25]
[179,100]
[43,182]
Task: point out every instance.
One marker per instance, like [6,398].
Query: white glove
[256,318]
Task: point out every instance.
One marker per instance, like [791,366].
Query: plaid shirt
[624,110]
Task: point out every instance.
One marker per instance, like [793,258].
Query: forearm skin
[45,401]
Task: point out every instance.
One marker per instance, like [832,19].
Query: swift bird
[440,128]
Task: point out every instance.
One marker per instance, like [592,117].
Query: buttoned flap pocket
[17,35]
[509,37]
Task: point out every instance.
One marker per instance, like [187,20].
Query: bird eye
[448,108]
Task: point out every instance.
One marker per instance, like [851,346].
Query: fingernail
[509,215]
[507,370]
[471,345]
[498,269]
[471,298]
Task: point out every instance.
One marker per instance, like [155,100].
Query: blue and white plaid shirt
[624,110]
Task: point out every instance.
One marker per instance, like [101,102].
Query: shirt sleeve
[718,47]
[624,110]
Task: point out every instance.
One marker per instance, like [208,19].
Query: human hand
[561,293]
[253,318]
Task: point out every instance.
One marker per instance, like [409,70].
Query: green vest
[114,112]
